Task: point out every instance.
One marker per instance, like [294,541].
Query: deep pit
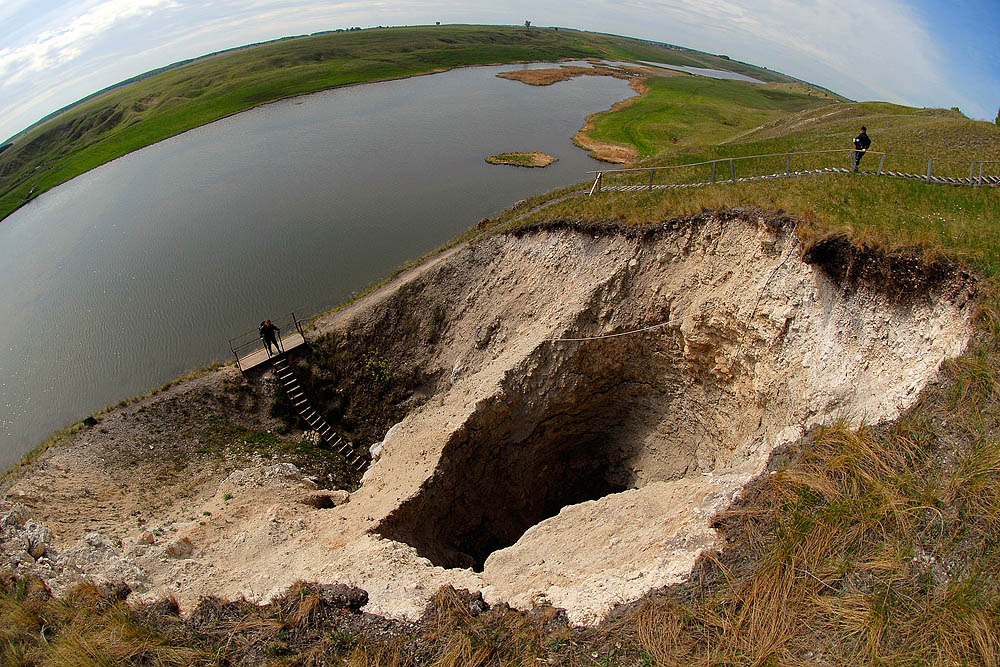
[565,435]
[742,347]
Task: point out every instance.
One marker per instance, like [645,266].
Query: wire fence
[938,171]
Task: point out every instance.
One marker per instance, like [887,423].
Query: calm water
[142,269]
[704,71]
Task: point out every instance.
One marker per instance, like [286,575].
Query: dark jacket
[862,142]
[267,331]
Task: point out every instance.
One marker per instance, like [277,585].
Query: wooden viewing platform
[250,351]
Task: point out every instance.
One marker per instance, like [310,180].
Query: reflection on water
[704,71]
[142,269]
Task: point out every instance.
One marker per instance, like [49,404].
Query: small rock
[17,516]
[180,548]
[115,591]
[477,605]
[342,596]
[146,537]
[377,449]
[37,539]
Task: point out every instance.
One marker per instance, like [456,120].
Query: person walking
[269,334]
[861,144]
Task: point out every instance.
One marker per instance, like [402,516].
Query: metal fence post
[930,163]
[788,163]
[981,173]
[881,163]
[651,178]
[238,364]
[597,183]
[732,169]
[715,165]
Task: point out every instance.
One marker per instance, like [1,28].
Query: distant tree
[437,23]
[527,24]
[997,121]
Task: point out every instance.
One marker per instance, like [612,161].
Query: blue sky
[917,52]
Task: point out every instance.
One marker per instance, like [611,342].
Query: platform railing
[247,343]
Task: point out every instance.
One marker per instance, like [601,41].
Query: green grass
[142,113]
[962,222]
[682,112]
[534,159]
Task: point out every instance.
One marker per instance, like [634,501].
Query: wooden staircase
[301,402]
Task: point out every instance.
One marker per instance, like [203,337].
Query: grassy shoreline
[131,117]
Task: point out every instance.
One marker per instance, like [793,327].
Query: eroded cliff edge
[581,400]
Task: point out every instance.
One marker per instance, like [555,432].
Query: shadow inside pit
[524,456]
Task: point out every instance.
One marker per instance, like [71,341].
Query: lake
[142,269]
[704,71]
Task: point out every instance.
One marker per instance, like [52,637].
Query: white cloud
[862,48]
[59,45]
[865,49]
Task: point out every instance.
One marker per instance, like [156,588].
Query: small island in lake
[533,159]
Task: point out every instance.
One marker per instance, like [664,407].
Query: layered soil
[574,404]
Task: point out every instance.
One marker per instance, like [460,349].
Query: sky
[917,52]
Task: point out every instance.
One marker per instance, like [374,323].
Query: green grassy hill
[130,117]
[684,113]
[886,212]
[684,119]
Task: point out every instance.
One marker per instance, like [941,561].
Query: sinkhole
[562,434]
[738,349]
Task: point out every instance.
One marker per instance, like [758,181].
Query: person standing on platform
[861,144]
[269,334]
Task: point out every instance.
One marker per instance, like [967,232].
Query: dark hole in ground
[320,501]
[491,502]
[523,458]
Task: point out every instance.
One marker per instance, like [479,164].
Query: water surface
[142,269]
[705,71]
